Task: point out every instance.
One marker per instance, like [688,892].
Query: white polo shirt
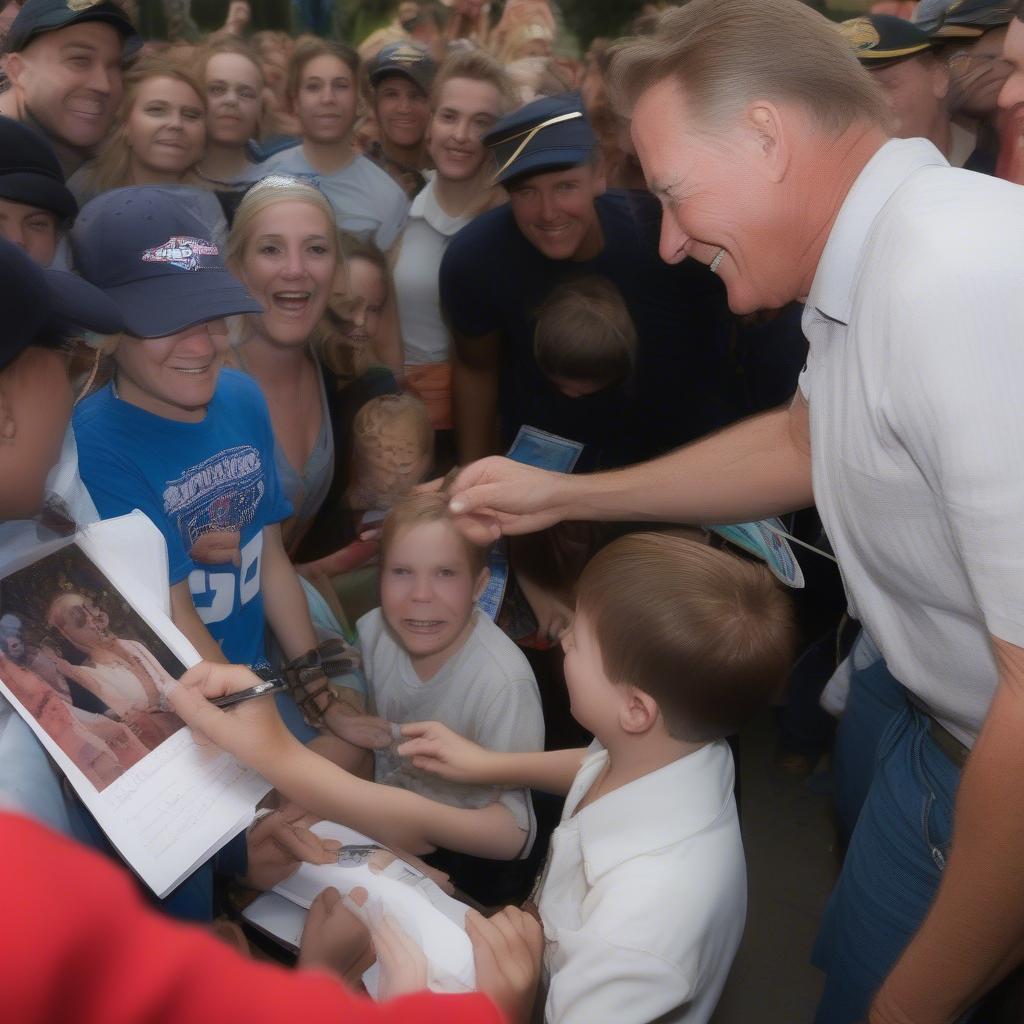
[915,376]
[644,895]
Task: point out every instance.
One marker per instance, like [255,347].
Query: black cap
[30,172]
[42,306]
[548,134]
[39,16]
[962,19]
[879,40]
[156,261]
[408,60]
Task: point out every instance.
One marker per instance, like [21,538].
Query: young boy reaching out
[643,897]
[428,653]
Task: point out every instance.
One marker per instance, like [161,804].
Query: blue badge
[765,540]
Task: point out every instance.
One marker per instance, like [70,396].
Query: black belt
[944,739]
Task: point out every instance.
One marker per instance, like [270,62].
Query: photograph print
[85,665]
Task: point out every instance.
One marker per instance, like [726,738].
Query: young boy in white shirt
[643,897]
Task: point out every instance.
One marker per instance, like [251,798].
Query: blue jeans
[892,869]
[874,700]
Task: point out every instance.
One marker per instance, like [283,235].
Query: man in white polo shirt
[770,149]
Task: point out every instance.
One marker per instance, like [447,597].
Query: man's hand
[497,496]
[252,731]
[433,747]
[277,844]
[507,949]
[334,938]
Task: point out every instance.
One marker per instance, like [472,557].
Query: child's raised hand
[252,731]
[433,747]
[507,949]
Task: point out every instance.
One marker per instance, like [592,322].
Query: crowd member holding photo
[193,447]
[105,927]
[323,91]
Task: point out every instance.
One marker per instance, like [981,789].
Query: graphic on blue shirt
[219,496]
[210,487]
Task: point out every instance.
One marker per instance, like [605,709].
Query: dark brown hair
[309,48]
[708,635]
[584,332]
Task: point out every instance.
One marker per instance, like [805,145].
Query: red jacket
[78,946]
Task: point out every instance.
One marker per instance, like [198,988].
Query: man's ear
[940,79]
[768,138]
[14,67]
[481,583]
[639,712]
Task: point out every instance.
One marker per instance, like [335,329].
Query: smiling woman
[158,139]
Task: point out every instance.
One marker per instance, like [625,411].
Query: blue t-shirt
[210,487]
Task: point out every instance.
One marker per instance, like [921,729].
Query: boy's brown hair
[708,635]
[429,507]
[584,332]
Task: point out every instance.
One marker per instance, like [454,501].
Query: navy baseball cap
[30,172]
[549,134]
[405,59]
[42,307]
[39,16]
[879,40]
[962,19]
[156,261]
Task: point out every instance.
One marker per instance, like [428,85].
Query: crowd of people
[428,358]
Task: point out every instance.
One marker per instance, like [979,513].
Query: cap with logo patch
[156,261]
[405,59]
[39,16]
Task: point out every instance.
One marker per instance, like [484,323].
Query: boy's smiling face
[428,591]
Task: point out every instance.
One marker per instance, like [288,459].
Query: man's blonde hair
[725,54]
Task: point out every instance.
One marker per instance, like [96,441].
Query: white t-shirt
[425,335]
[367,202]
[486,693]
[644,895]
[916,327]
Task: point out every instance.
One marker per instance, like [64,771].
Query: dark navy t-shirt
[493,279]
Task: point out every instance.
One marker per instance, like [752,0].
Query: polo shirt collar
[831,294]
[656,811]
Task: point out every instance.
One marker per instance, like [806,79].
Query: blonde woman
[159,138]
[283,247]
[470,93]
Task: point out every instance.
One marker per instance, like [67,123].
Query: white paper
[430,917]
[173,809]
